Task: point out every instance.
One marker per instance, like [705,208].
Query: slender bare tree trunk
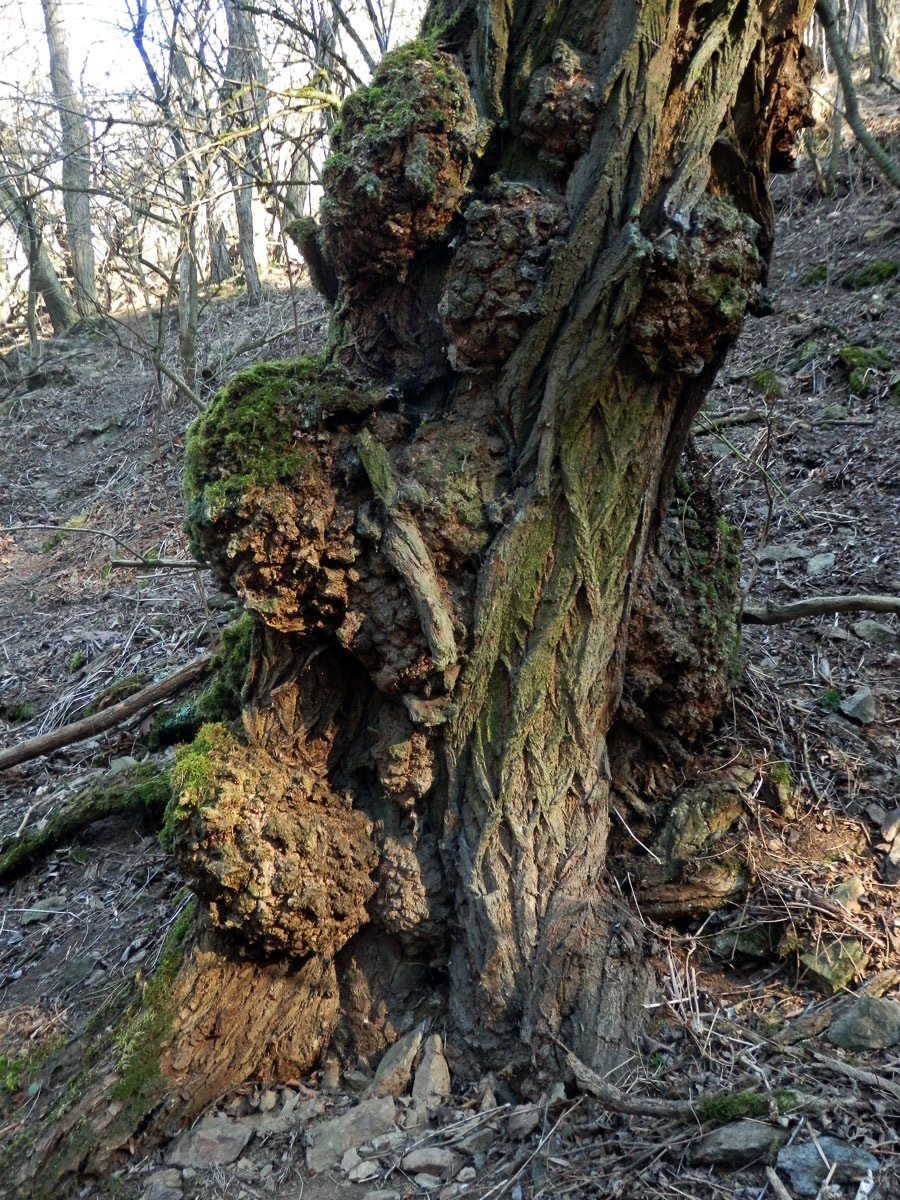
[247,101]
[43,279]
[76,165]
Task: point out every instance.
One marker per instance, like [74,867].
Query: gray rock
[849,894]
[876,632]
[327,1142]
[871,1024]
[164,1185]
[43,910]
[350,1159]
[831,966]
[389,1143]
[213,1141]
[430,1160]
[395,1067]
[427,1182]
[819,564]
[364,1171]
[780,554]
[294,1114]
[804,1164]
[861,706]
[416,1115]
[890,825]
[523,1120]
[739,1143]
[477,1142]
[381,1194]
[432,1081]
[467,1175]
[268,1100]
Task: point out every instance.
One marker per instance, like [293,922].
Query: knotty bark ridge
[545,224]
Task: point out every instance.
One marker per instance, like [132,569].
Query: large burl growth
[477,628]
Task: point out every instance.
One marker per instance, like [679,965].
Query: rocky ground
[796,994]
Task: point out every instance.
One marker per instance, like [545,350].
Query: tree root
[144,789]
[78,731]
[817,606]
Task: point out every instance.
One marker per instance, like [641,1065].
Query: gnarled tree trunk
[546,223]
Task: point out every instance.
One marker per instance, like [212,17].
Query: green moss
[818,274]
[142,1034]
[18,711]
[767,383]
[402,99]
[862,361]
[247,436]
[872,274]
[831,700]
[193,775]
[221,699]
[117,691]
[77,661]
[734,1106]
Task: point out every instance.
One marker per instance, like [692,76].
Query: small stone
[871,1024]
[213,1141]
[833,966]
[786,553]
[890,824]
[807,1169]
[479,1141]
[381,1194]
[331,1075]
[395,1067]
[268,1100]
[350,1159]
[879,232]
[861,706]
[848,894]
[523,1120]
[327,1142]
[739,1143]
[467,1175]
[364,1171]
[432,1081]
[430,1160]
[43,910]
[427,1182]
[876,632]
[164,1185]
[416,1115]
[389,1143]
[819,564]
[357,1079]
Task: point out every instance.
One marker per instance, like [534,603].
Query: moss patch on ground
[862,361]
[873,273]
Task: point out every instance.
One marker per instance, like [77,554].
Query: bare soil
[98,445]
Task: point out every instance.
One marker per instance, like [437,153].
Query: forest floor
[802,435]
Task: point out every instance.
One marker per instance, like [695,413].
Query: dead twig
[777,1186]
[108,718]
[817,606]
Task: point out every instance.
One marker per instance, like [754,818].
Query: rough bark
[545,224]
[76,162]
[16,208]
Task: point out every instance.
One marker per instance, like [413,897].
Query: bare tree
[76,162]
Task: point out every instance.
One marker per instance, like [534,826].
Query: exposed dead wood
[817,606]
[77,731]
[743,416]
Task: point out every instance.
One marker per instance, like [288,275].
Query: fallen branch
[817,606]
[145,789]
[108,717]
[743,416]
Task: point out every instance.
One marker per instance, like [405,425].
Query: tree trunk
[43,279]
[76,163]
[246,97]
[546,223]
